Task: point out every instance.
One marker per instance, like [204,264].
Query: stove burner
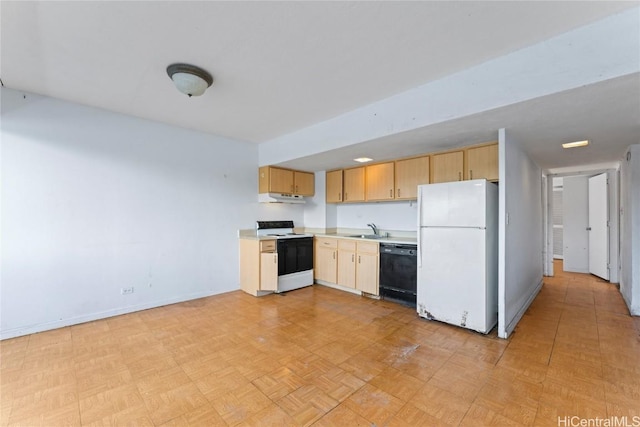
[278,229]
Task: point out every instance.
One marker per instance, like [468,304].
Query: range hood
[280,198]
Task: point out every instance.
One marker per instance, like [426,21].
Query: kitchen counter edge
[250,235]
[390,239]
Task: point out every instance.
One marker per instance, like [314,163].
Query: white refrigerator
[458,253]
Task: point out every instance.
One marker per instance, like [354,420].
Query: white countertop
[251,235]
[390,239]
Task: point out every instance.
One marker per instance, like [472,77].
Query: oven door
[295,255]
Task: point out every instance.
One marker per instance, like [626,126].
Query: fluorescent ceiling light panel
[575,144]
[362,159]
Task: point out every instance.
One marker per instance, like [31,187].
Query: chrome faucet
[374,228]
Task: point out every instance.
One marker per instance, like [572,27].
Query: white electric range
[295,254]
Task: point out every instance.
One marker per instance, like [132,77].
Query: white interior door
[598,226]
[575,223]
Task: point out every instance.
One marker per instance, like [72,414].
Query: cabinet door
[409,174]
[367,273]
[379,179]
[269,271]
[334,186]
[482,162]
[280,180]
[304,183]
[354,184]
[326,264]
[347,269]
[447,167]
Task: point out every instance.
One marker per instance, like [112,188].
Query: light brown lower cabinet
[367,267]
[269,271]
[258,266]
[325,265]
[347,262]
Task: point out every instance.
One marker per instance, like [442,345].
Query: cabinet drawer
[347,245]
[368,247]
[268,246]
[326,242]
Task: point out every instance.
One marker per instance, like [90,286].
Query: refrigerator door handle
[419,228]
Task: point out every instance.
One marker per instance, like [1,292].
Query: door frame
[599,222]
[614,219]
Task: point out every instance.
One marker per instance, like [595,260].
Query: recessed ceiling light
[362,159]
[575,144]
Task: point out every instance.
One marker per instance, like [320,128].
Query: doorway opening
[581,227]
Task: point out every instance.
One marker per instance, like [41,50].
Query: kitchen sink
[367,236]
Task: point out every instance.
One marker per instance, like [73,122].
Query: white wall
[630,229]
[399,216]
[94,201]
[576,221]
[315,208]
[521,233]
[586,55]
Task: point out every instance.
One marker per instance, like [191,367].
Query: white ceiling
[282,66]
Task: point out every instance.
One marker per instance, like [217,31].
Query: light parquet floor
[321,357]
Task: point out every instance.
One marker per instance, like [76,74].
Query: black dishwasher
[398,273]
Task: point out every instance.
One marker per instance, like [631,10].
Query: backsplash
[399,216]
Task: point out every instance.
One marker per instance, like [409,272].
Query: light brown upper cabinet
[354,184]
[409,174]
[303,183]
[447,167]
[278,180]
[399,179]
[334,186]
[482,162]
[379,181]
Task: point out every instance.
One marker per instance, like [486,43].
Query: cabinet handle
[339,196]
[391,193]
[353,257]
[334,254]
[398,192]
[358,259]
[296,188]
[470,174]
[459,176]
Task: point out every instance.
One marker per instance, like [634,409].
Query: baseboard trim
[41,327]
[514,321]
[338,287]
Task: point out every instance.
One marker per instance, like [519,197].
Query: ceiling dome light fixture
[189,79]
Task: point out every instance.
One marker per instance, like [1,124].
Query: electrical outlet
[126,291]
